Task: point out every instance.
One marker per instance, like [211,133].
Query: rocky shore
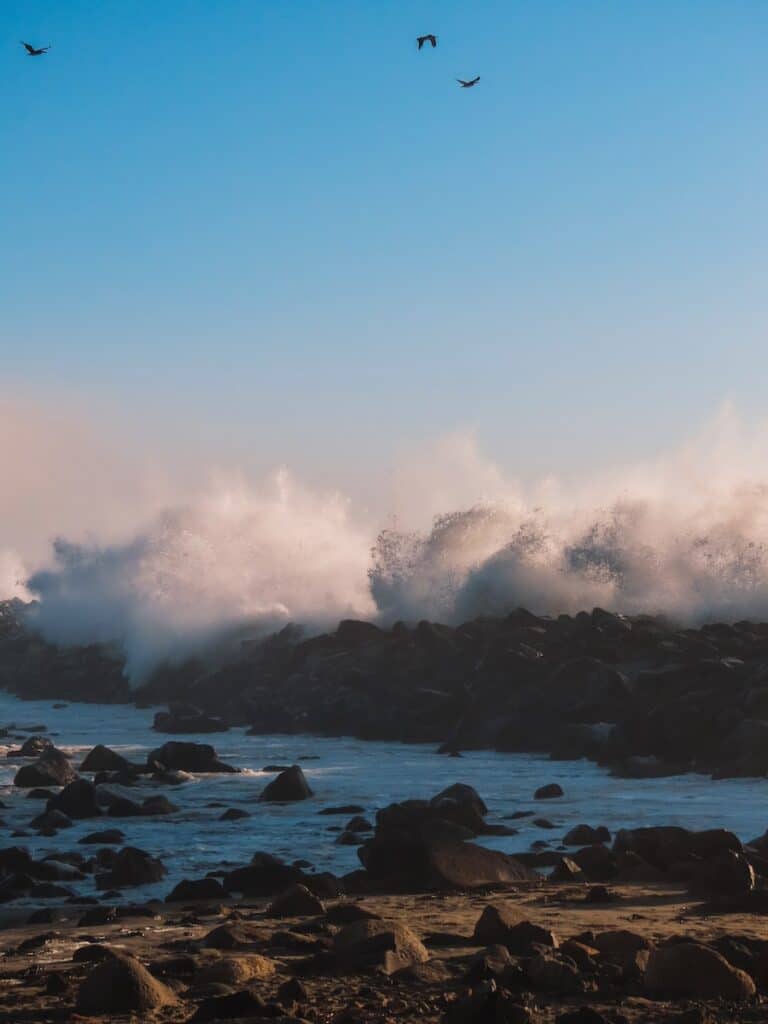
[650,924]
[654,924]
[638,694]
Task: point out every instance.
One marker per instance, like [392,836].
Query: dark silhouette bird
[32,51]
[427,39]
[469,84]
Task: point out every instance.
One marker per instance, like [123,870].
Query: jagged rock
[120,984]
[51,820]
[567,870]
[697,971]
[289,786]
[388,945]
[523,939]
[157,805]
[495,923]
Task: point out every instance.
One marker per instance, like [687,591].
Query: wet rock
[157,805]
[119,985]
[234,814]
[666,846]
[290,785]
[78,800]
[345,809]
[297,901]
[51,821]
[585,835]
[131,867]
[102,759]
[33,746]
[189,757]
[197,889]
[110,836]
[689,969]
[185,718]
[549,792]
[388,945]
[52,769]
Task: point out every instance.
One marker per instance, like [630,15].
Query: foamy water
[347,771]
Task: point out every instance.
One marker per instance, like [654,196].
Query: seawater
[343,770]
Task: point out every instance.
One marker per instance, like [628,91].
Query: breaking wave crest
[686,536]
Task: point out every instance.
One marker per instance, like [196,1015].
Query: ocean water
[192,841]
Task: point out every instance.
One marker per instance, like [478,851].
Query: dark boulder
[102,759]
[585,835]
[415,866]
[297,901]
[688,969]
[549,792]
[264,876]
[196,889]
[188,757]
[110,836]
[78,800]
[495,923]
[131,866]
[289,786]
[52,769]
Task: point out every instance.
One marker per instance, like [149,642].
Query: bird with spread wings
[33,51]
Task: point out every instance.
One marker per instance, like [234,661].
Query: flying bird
[469,84]
[32,51]
[427,39]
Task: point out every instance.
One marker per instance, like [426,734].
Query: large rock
[665,846]
[78,800]
[688,969]
[440,865]
[264,876]
[122,985]
[289,786]
[388,945]
[51,769]
[196,889]
[102,759]
[131,866]
[297,901]
[231,970]
[495,923]
[188,757]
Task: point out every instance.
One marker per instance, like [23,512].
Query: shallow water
[348,771]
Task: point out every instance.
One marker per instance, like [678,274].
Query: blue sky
[277,227]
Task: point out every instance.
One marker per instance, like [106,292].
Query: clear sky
[277,226]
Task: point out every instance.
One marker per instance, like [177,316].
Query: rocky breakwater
[638,694]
